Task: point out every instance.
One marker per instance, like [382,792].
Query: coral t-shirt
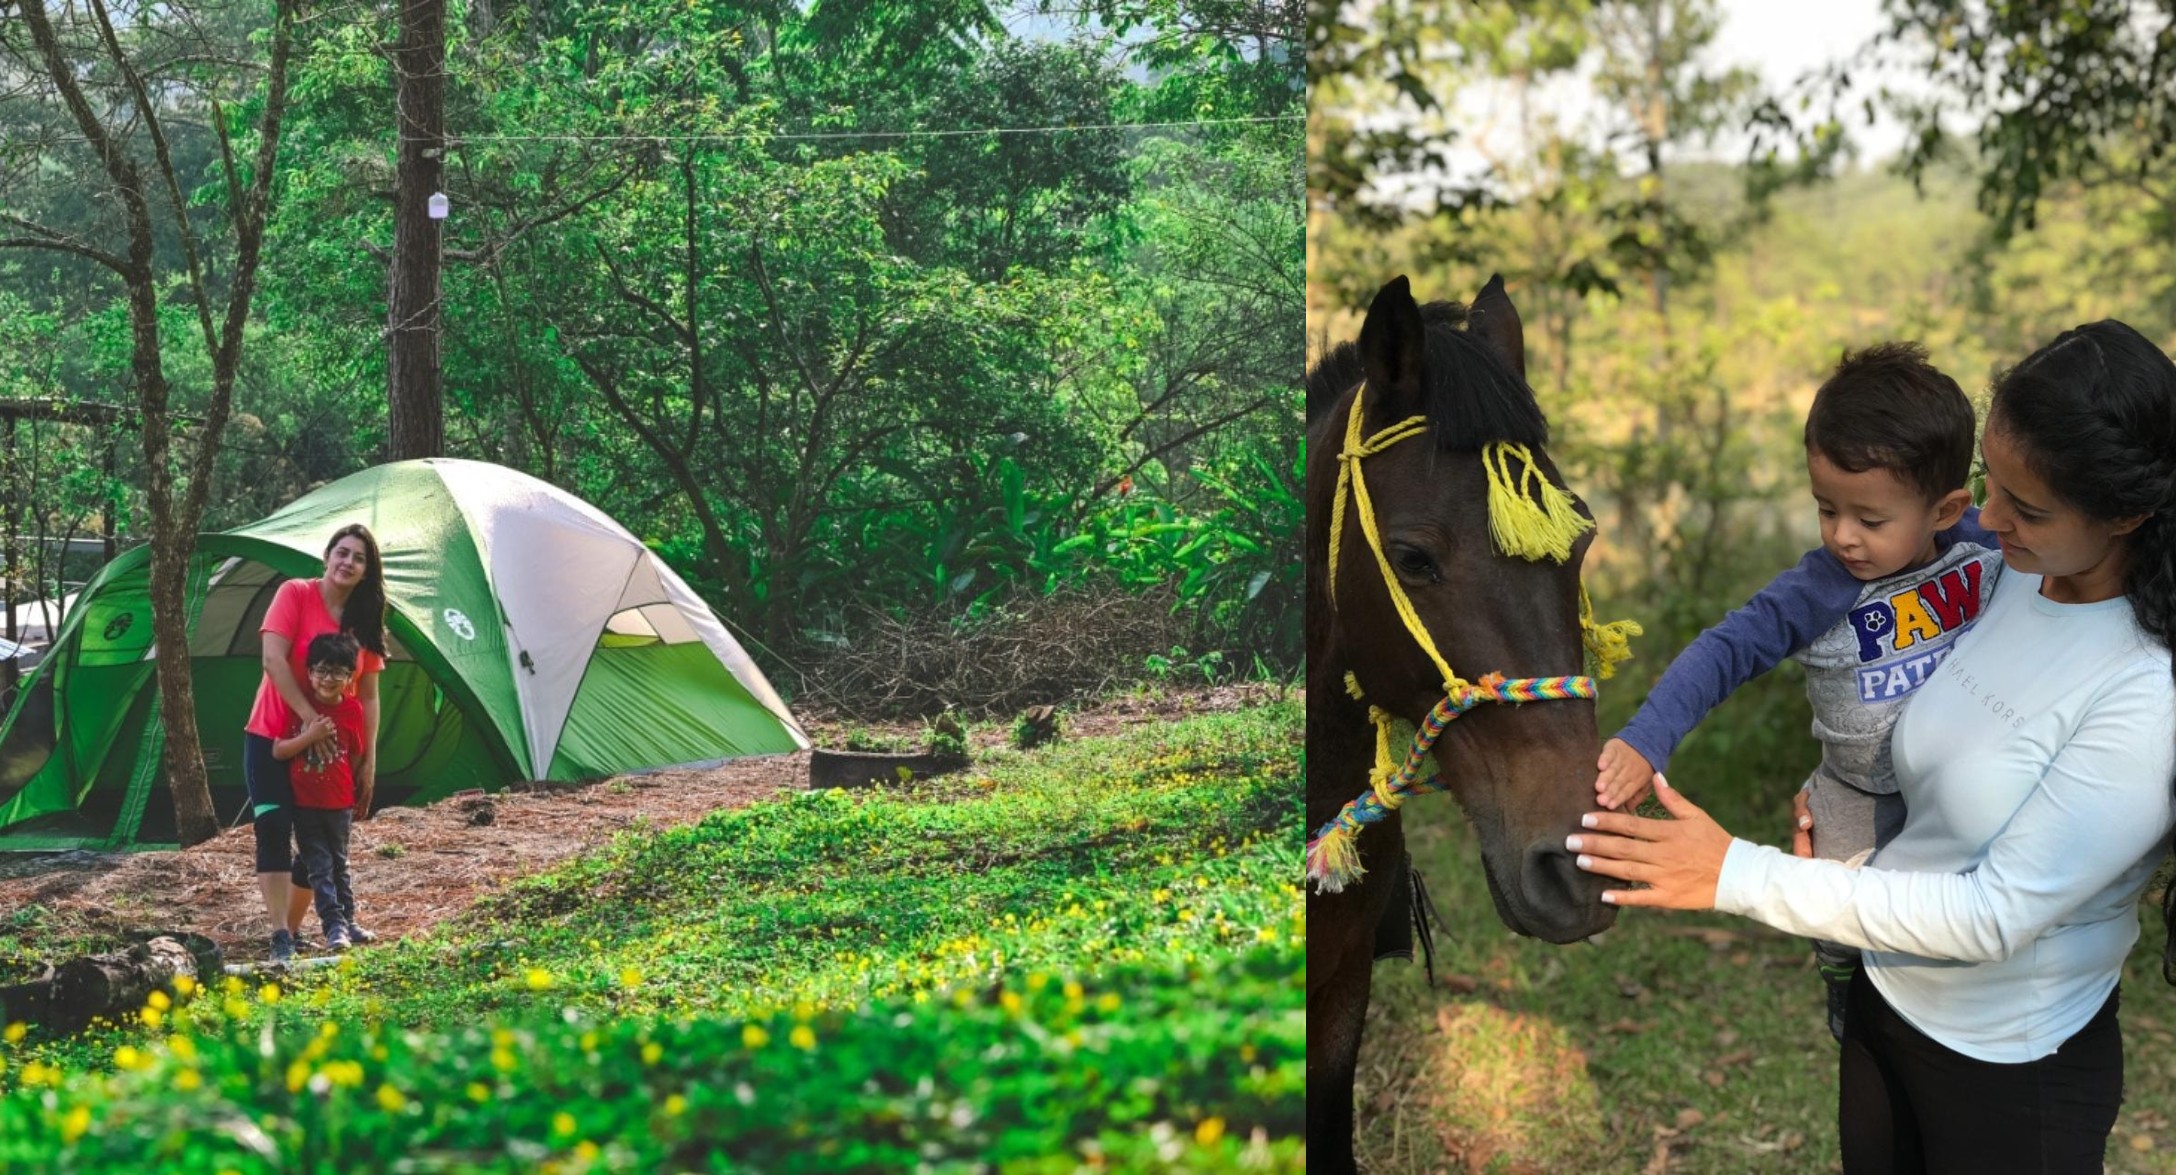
[297,613]
[332,785]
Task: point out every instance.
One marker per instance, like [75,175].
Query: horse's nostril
[1562,901]
[1553,878]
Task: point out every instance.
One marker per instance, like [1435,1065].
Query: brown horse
[1524,773]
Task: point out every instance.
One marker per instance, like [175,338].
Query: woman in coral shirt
[349,598]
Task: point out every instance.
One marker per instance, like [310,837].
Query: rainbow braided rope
[1333,857]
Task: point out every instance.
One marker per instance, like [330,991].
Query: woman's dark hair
[2095,414]
[364,616]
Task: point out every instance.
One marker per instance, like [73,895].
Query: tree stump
[828,768]
[1037,725]
[115,984]
[28,1003]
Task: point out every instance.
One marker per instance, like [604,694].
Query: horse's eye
[1413,563]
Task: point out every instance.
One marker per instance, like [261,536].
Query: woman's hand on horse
[1801,826]
[1623,778]
[1679,860]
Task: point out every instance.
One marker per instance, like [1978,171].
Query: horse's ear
[1496,320]
[1391,344]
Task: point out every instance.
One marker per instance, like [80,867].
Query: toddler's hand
[1625,775]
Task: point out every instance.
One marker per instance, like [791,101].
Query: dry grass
[416,867]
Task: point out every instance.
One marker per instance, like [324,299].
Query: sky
[1786,40]
[1780,41]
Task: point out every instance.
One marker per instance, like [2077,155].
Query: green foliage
[739,274]
[1012,1074]
[1090,951]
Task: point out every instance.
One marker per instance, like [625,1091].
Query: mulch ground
[416,867]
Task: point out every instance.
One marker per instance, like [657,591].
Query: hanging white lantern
[438,205]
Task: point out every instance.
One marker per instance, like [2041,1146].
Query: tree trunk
[415,419]
[116,984]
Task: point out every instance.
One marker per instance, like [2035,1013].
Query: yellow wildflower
[675,1106]
[269,993]
[538,979]
[479,1092]
[184,986]
[586,1151]
[802,1038]
[75,1125]
[160,1000]
[391,1100]
[563,1124]
[182,1047]
[630,978]
[1209,1131]
[753,1036]
[152,1017]
[188,1079]
[651,1052]
[13,1033]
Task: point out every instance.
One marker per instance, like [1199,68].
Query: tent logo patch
[119,624]
[458,621]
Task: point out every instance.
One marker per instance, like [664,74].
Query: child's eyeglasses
[329,672]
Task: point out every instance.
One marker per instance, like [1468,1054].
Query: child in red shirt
[321,758]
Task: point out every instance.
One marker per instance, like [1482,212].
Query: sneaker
[283,947]
[336,938]
[359,936]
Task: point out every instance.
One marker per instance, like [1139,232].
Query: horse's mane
[1471,397]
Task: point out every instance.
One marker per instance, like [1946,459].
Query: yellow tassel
[1537,525]
[1334,861]
[1610,643]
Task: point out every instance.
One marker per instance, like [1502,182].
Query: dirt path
[417,867]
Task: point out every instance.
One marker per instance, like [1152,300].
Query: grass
[1082,956]
[1681,1043]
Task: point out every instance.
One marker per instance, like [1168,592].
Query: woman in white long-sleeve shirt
[2036,766]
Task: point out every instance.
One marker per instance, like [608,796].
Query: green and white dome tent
[532,637]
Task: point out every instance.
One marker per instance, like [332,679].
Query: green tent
[531,637]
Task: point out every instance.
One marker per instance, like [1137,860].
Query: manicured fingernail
[1572,843]
[1805,821]
[1589,820]
[1609,897]
[1585,861]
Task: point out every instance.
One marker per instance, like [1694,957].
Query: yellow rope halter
[1529,517]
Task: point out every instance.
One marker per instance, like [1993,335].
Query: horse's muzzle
[1557,901]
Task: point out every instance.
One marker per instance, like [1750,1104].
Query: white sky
[1786,40]
[1780,41]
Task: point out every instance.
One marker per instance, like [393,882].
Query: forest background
[1692,247]
[903,318]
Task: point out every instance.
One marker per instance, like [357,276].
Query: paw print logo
[459,622]
[1876,621]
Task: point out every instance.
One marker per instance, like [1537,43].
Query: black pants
[323,836]
[271,805]
[1911,1105]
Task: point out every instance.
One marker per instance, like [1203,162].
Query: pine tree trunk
[415,419]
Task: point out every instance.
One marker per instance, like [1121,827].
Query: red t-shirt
[297,613]
[331,786]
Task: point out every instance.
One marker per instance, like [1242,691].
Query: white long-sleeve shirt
[2036,766]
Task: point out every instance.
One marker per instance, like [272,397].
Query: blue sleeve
[1967,530]
[1781,619]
